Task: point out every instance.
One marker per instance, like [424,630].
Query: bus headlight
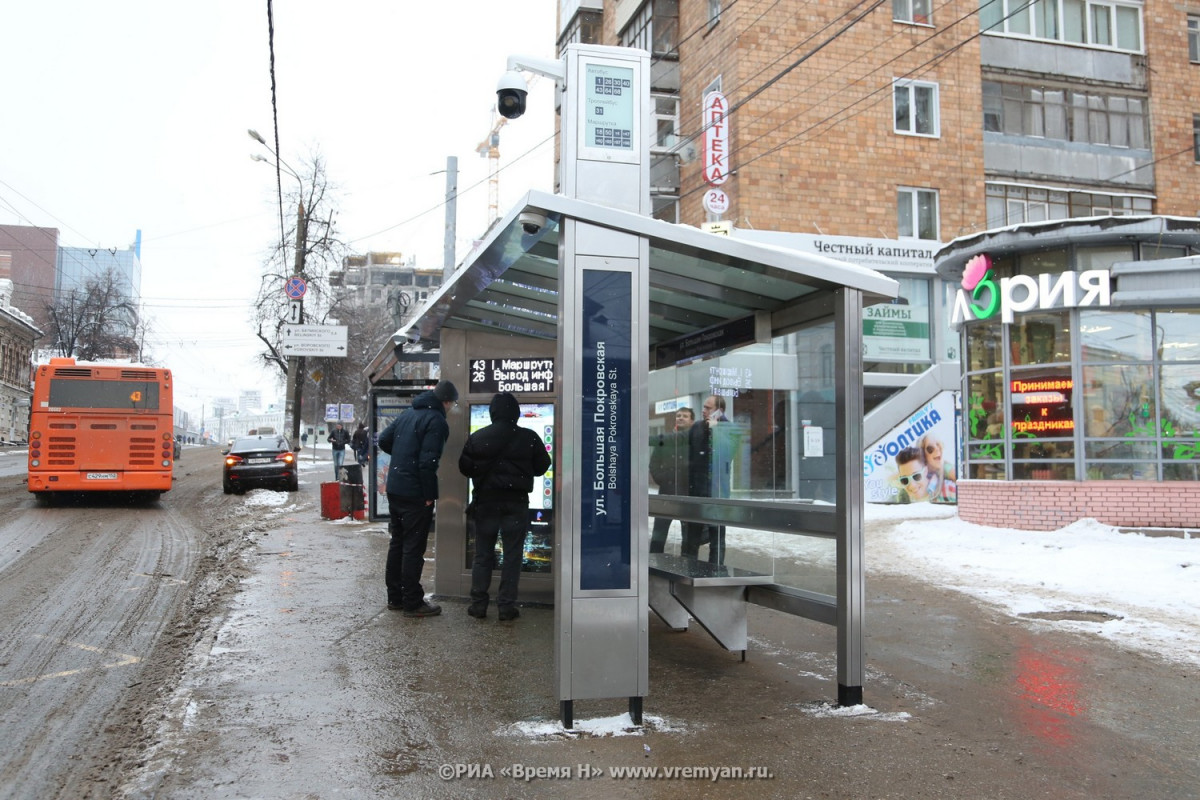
[166,462]
[35,463]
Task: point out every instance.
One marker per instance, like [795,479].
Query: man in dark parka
[502,461]
[414,440]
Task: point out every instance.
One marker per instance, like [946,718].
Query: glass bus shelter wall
[767,435]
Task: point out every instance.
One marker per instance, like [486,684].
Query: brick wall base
[1050,505]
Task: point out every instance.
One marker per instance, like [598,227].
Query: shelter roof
[509,283]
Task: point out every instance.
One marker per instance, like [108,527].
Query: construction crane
[489,148]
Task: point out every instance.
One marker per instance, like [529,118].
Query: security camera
[532,222]
[511,92]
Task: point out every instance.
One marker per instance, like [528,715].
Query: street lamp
[295,382]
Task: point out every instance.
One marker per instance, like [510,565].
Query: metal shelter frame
[698,282]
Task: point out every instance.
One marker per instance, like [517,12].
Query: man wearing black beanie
[502,460]
[414,440]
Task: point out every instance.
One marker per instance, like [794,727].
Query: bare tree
[309,250]
[97,321]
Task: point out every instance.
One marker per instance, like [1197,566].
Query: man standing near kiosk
[502,460]
[414,440]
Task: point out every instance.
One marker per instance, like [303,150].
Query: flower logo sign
[982,295]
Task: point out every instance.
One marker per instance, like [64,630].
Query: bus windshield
[104,394]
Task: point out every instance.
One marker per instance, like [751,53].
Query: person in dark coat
[501,460]
[414,440]
[711,444]
[360,441]
[669,468]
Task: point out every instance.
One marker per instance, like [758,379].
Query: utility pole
[295,373]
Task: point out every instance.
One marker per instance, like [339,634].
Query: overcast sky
[132,115]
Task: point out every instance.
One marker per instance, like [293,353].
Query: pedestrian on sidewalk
[501,460]
[338,438]
[414,440]
[360,442]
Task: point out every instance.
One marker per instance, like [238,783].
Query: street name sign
[314,340]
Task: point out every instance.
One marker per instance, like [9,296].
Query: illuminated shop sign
[982,296]
[1041,406]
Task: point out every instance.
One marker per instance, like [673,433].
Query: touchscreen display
[539,418]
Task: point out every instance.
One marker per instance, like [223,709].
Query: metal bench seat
[684,588]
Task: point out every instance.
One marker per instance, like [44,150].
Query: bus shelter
[759,501]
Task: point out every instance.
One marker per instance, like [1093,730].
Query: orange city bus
[100,427]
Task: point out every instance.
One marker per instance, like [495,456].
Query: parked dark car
[260,461]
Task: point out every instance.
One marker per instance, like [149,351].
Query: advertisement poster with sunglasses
[916,462]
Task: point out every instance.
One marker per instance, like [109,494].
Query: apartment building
[896,135]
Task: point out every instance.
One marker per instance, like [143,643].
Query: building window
[915,11]
[1016,109]
[714,12]
[666,121]
[1099,23]
[655,28]
[917,213]
[586,28]
[1012,204]
[1196,138]
[915,107]
[1194,39]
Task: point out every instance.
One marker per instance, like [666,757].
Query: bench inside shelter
[686,587]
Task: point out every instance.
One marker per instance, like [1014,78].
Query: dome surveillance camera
[532,222]
[511,92]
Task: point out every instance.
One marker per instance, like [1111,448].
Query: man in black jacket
[414,440]
[669,469]
[502,460]
[338,439]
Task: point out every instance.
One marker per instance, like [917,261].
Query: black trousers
[508,520]
[410,522]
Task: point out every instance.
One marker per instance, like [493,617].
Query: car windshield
[260,443]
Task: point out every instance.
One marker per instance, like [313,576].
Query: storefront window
[1102,257]
[984,413]
[1179,335]
[1050,471]
[1043,448]
[899,333]
[1042,262]
[1040,338]
[1041,404]
[983,346]
[1116,336]
[1119,401]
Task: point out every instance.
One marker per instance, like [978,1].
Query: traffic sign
[294,311]
[295,287]
[314,340]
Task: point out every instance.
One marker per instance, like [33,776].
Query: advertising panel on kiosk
[539,418]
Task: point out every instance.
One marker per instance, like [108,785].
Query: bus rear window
[125,395]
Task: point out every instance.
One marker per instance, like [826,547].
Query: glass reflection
[1116,336]
[749,423]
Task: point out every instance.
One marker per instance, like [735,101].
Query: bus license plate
[102,476]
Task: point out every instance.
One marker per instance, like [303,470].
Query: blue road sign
[296,287]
